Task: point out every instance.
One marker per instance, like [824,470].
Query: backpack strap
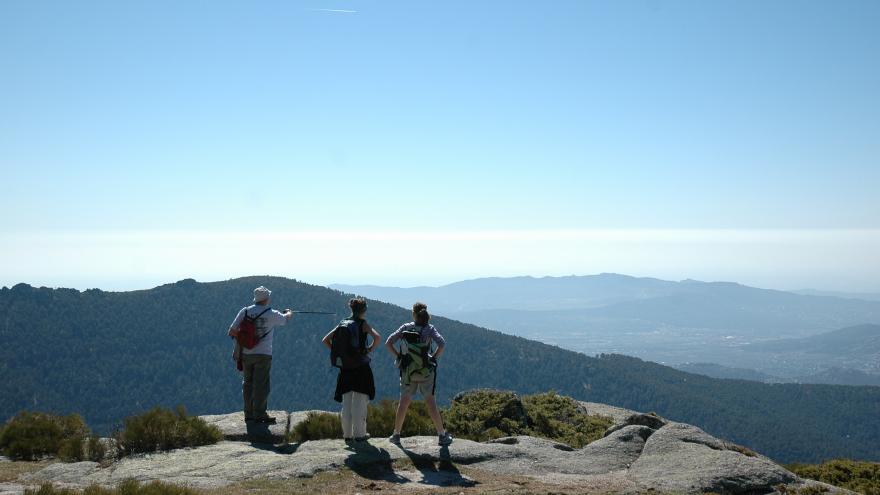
[257,318]
[362,337]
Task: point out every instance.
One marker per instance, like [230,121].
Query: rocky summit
[639,453]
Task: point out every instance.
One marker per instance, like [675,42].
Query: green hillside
[107,355]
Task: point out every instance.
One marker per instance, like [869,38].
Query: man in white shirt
[257,361]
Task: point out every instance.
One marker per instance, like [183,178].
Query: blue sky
[222,118]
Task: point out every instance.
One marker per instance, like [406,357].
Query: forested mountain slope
[107,355]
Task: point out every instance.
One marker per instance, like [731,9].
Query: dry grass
[374,480]
[10,471]
[347,481]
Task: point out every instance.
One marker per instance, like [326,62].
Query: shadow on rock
[259,433]
[285,449]
[372,463]
[442,472]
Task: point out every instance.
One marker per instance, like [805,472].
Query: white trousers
[354,414]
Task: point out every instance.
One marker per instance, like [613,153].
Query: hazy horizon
[131,283]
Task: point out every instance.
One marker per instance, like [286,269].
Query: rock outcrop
[640,452]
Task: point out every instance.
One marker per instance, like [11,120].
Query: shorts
[424,387]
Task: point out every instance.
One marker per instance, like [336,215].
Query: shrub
[316,426]
[488,414]
[161,429]
[72,449]
[562,419]
[380,423]
[380,419]
[812,490]
[862,477]
[479,415]
[95,450]
[804,490]
[127,487]
[33,435]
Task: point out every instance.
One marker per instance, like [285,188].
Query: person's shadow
[439,472]
[261,437]
[372,463]
[283,448]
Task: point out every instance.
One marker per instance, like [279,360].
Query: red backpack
[247,331]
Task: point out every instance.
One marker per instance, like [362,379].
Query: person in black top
[355,386]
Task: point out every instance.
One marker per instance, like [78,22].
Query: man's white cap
[261,294]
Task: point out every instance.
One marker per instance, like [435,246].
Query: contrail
[342,11]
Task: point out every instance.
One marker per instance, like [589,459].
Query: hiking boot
[268,420]
[395,439]
[362,439]
[444,439]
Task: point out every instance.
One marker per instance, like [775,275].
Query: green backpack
[415,362]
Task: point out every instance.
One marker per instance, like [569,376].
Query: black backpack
[348,347]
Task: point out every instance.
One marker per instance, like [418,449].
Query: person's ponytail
[420,314]
[357,305]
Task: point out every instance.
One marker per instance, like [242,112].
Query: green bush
[488,414]
[380,419]
[161,429]
[862,477]
[479,415]
[562,419]
[128,487]
[72,449]
[96,451]
[380,423]
[33,435]
[316,426]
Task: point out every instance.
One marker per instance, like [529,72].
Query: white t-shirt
[265,325]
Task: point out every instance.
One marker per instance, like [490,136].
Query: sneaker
[444,439]
[395,439]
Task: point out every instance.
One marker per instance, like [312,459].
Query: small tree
[34,435]
[161,429]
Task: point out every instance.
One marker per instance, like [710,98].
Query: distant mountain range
[523,293]
[867,296]
[110,354]
[689,303]
[855,341]
[663,321]
[830,376]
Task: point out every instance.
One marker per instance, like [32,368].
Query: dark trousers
[255,384]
